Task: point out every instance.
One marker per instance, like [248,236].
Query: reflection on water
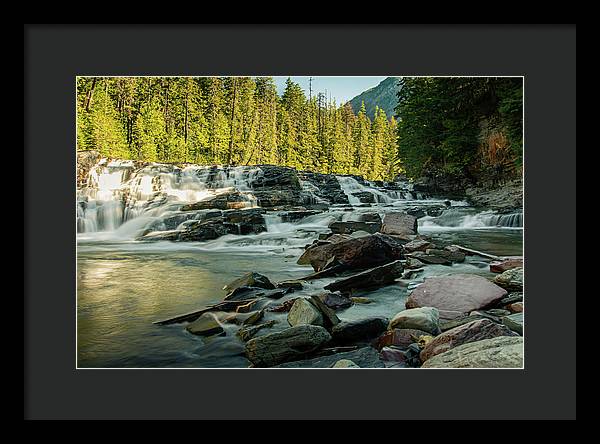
[123,288]
[121,293]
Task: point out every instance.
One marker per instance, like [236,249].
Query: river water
[124,285]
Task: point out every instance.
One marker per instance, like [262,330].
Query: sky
[340,88]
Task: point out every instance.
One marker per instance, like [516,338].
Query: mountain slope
[382,95]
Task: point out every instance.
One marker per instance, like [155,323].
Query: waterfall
[456,218]
[351,186]
[117,192]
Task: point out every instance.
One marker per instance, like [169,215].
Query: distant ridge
[383,95]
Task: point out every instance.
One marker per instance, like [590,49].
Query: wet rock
[370,217]
[416,212]
[499,352]
[365,197]
[292,285]
[455,294]
[249,318]
[375,277]
[516,307]
[345,363]
[304,313]
[250,279]
[394,357]
[399,223]
[418,245]
[508,264]
[453,256]
[205,325]
[470,332]
[249,306]
[277,177]
[413,263]
[248,332]
[284,307]
[277,197]
[335,301]
[399,337]
[326,186]
[514,322]
[511,280]
[365,357]
[226,201]
[462,320]
[295,216]
[350,227]
[358,330]
[329,317]
[292,343]
[424,318]
[360,300]
[364,252]
[429,258]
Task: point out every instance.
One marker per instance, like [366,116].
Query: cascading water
[117,192]
[124,284]
[461,219]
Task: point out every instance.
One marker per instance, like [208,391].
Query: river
[124,285]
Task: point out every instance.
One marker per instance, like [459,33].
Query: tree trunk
[90,94]
[231,132]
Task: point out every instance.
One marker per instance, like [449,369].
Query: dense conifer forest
[469,127]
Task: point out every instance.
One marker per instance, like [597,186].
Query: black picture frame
[55,54]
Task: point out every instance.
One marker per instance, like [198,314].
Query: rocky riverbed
[297,269]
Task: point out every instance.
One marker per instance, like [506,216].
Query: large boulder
[499,352]
[418,245]
[471,332]
[250,279]
[304,313]
[289,344]
[205,325]
[359,330]
[424,318]
[363,252]
[399,223]
[375,277]
[350,227]
[455,294]
[511,280]
[429,258]
[365,357]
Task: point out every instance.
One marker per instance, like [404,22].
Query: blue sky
[340,88]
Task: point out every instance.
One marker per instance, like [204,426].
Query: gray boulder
[289,344]
[375,277]
[424,318]
[399,223]
[471,332]
[304,313]
[511,280]
[359,330]
[456,294]
[499,352]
